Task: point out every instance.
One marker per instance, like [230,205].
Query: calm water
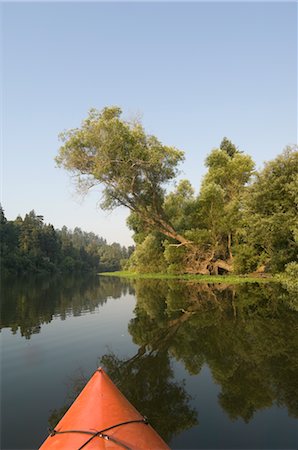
[212,367]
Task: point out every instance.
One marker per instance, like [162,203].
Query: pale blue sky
[195,72]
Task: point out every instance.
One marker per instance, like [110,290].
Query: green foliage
[231,173]
[211,211]
[227,146]
[139,227]
[148,256]
[289,280]
[174,257]
[111,256]
[234,224]
[30,246]
[221,197]
[131,166]
[181,207]
[271,214]
[252,226]
[194,278]
[291,271]
[246,258]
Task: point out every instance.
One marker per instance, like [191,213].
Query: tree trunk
[197,261]
[165,228]
[230,245]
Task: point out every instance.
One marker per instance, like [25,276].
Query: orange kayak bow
[102,418]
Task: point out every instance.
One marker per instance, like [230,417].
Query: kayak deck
[102,418]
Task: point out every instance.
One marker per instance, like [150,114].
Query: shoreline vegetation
[29,246]
[225,279]
[241,225]
[241,221]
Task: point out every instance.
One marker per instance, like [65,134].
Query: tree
[9,254]
[225,183]
[271,211]
[31,233]
[217,213]
[3,219]
[132,166]
[228,147]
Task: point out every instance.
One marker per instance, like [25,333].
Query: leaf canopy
[132,166]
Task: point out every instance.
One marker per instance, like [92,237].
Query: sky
[193,71]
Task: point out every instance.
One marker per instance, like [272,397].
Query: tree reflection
[27,304]
[147,381]
[246,334]
[75,385]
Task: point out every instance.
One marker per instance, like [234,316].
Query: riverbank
[226,279]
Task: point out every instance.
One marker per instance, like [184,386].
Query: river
[211,366]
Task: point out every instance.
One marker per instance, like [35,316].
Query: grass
[226,279]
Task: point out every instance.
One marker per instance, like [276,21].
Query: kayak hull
[102,418]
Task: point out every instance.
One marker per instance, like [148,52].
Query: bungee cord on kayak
[109,439]
[100,433]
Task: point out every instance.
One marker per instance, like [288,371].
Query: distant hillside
[30,246]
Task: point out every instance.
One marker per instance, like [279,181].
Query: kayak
[102,418]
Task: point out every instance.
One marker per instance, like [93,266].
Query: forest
[30,246]
[243,220]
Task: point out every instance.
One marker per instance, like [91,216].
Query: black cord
[105,436]
[101,432]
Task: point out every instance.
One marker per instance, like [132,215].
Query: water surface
[211,366]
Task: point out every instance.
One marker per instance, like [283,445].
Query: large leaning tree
[131,166]
[134,168]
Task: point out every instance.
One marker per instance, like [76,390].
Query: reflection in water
[147,381]
[246,334]
[75,385]
[25,306]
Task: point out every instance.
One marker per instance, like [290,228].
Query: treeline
[30,246]
[242,220]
